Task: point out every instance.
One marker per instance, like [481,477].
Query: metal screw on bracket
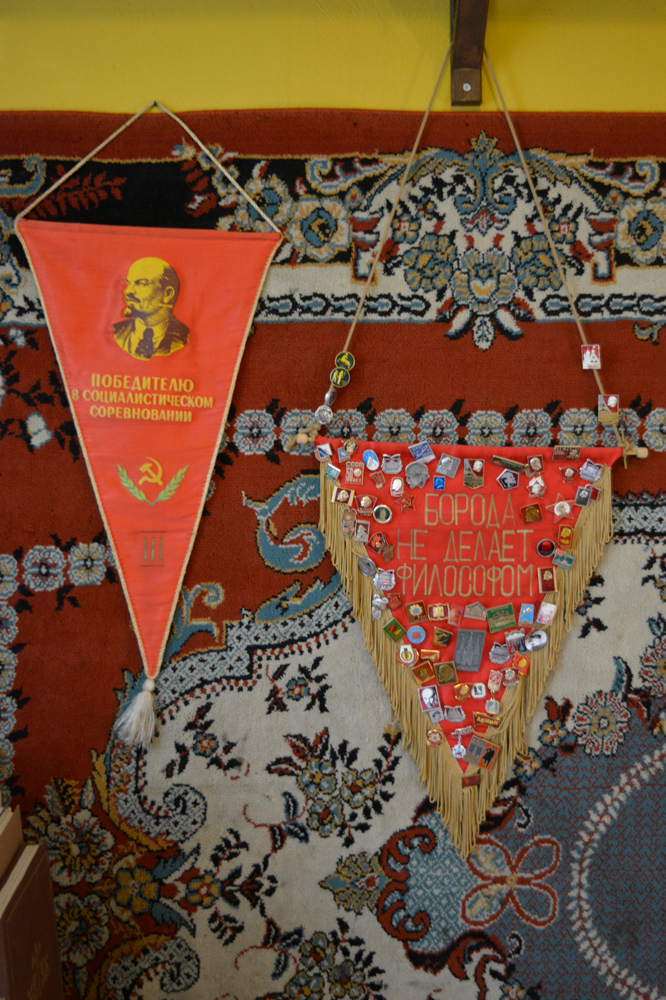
[467,87]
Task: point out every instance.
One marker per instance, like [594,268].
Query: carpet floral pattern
[274,842]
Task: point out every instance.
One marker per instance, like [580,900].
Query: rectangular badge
[429,698]
[508,463]
[442,637]
[526,615]
[354,472]
[547,579]
[446,673]
[448,465]
[362,531]
[416,612]
[531,513]
[476,612]
[609,409]
[469,649]
[501,618]
[546,614]
[483,719]
[438,612]
[471,780]
[342,495]
[563,559]
[395,630]
[569,453]
[332,472]
[473,474]
[591,356]
[565,536]
[422,452]
[424,673]
[474,750]
[583,496]
[488,755]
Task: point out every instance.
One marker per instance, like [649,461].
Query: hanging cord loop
[114,135]
[627,448]
[324,414]
[403,182]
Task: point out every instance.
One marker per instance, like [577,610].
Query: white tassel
[136,726]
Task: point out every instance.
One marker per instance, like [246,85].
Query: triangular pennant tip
[464,567]
[149,327]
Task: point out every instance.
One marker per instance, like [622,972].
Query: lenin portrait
[150,329]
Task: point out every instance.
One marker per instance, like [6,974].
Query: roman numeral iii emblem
[153,550]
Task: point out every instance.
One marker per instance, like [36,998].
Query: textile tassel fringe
[463,810]
[136,725]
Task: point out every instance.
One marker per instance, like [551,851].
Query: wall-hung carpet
[274,840]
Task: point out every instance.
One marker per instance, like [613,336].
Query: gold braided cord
[82,162]
[387,228]
[114,135]
[546,229]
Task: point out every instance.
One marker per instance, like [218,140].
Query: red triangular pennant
[464,567]
[149,327]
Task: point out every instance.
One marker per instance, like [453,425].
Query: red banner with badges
[149,327]
[464,566]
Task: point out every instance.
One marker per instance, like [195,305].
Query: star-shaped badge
[562,509]
[405,502]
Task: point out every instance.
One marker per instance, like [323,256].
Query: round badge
[407,655]
[434,737]
[366,566]
[345,360]
[339,377]
[323,414]
[536,640]
[416,635]
[382,513]
[545,547]
[371,460]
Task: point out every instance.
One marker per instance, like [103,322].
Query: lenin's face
[144,294]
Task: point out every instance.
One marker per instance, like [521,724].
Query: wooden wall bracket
[468,33]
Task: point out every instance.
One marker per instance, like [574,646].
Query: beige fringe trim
[463,810]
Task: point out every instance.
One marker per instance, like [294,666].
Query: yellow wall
[116,55]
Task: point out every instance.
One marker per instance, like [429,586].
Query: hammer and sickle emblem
[152,470]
